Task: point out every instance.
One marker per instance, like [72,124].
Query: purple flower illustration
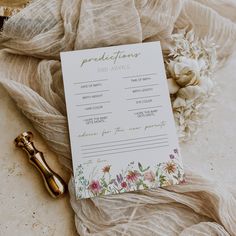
[176,151]
[119,178]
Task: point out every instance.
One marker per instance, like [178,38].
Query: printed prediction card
[121,126]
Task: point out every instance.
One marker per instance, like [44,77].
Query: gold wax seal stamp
[53,182]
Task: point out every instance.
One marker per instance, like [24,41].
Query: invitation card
[121,126]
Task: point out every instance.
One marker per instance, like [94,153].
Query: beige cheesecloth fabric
[30,71]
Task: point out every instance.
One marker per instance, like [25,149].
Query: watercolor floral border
[134,177]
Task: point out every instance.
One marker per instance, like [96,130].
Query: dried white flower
[185,71]
[190,66]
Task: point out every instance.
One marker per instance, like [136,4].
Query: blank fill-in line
[92,103]
[101,91]
[124,140]
[114,149]
[141,86]
[96,114]
[144,108]
[90,81]
[120,144]
[134,76]
[143,97]
[125,151]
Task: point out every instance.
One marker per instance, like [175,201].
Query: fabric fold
[194,207]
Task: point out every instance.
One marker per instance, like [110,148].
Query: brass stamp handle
[53,182]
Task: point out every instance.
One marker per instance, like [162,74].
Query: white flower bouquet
[190,66]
